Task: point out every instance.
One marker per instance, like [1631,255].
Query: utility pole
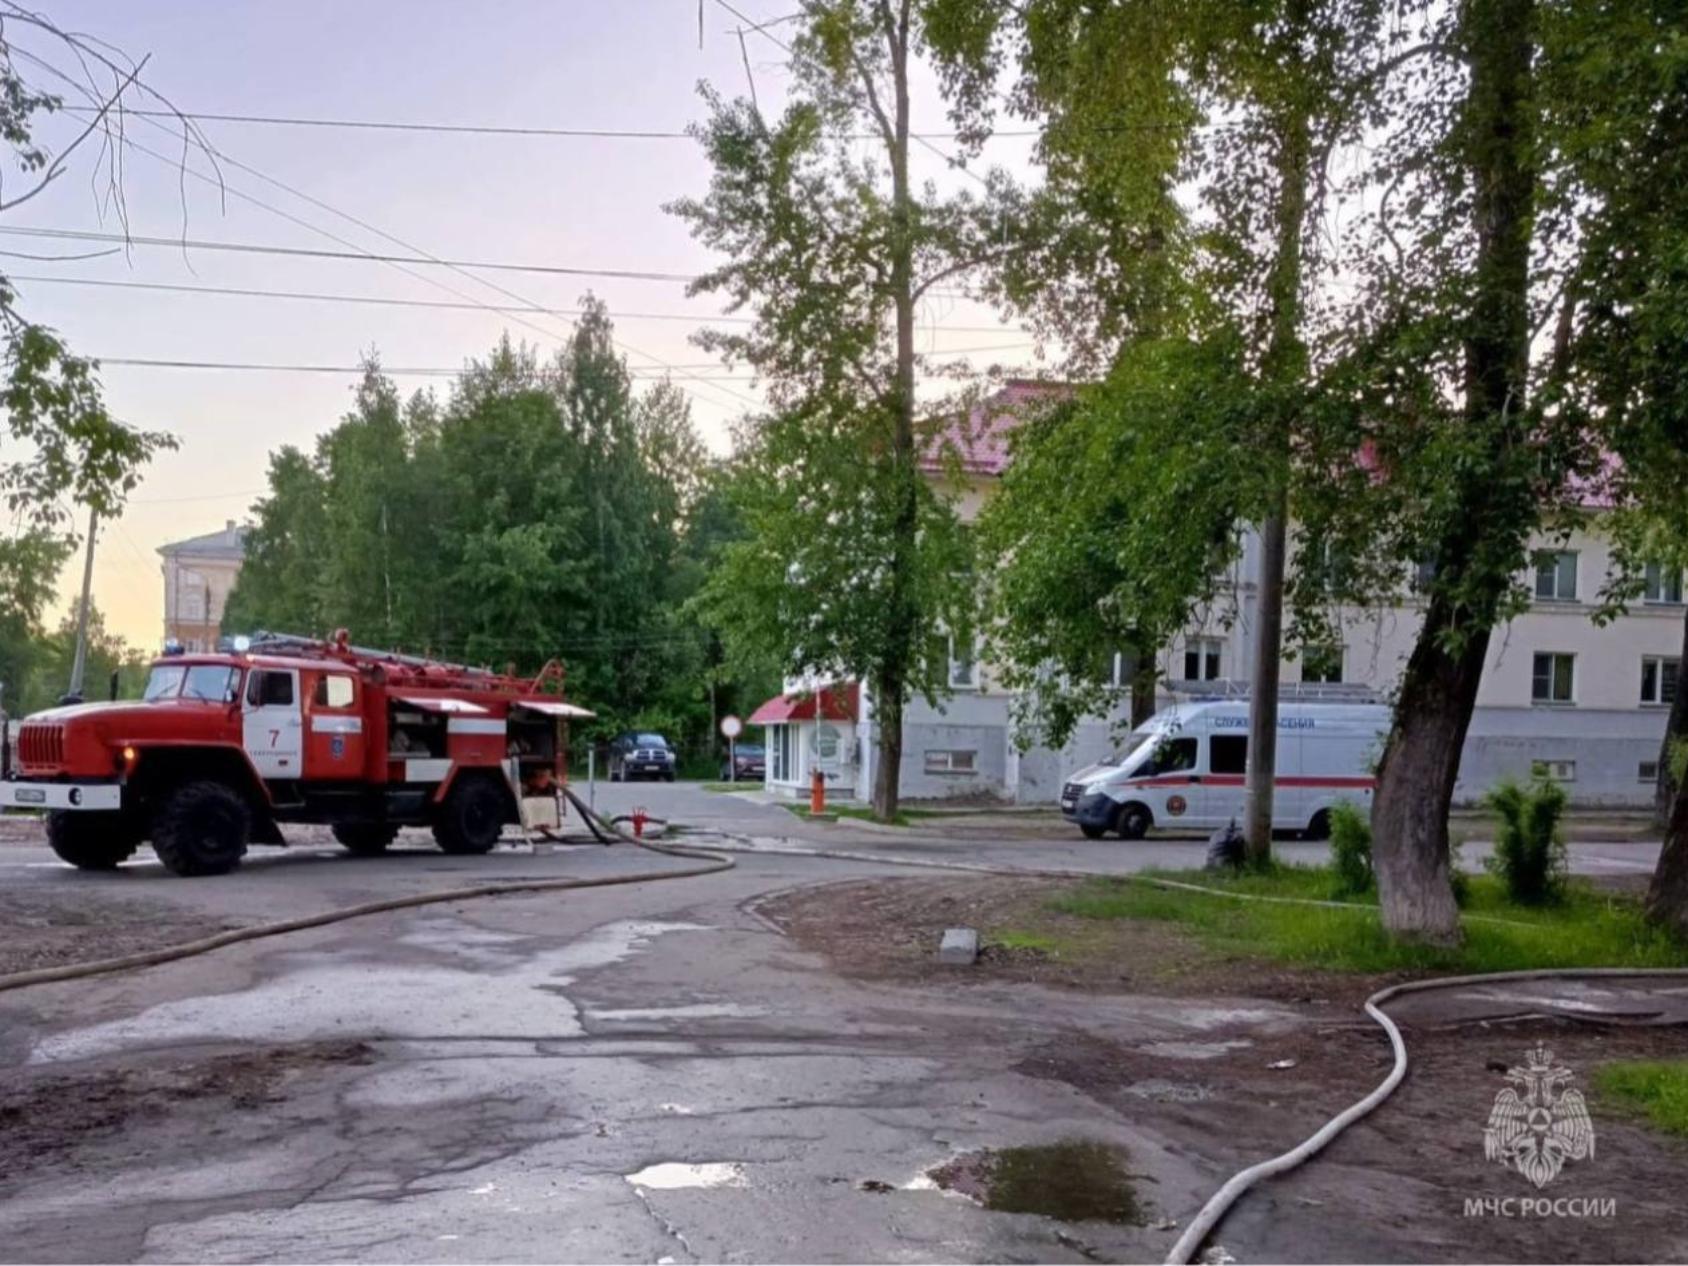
[80,663]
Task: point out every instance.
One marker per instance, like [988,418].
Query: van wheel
[1092,831]
[91,841]
[1134,822]
[202,829]
[471,818]
[365,839]
[1319,827]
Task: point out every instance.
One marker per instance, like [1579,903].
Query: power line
[386,301]
[430,371]
[254,248]
[468,129]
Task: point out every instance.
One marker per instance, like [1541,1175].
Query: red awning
[832,703]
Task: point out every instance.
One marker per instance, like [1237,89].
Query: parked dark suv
[748,763]
[635,755]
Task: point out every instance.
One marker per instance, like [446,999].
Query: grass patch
[731,786]
[1588,929]
[1023,938]
[1657,1090]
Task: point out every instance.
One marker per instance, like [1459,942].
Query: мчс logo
[1539,1122]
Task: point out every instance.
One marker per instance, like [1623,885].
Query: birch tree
[853,564]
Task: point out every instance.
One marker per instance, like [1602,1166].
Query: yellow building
[198,574]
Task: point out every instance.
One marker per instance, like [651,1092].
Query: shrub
[1529,851]
[1350,849]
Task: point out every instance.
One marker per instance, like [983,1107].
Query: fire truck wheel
[202,829]
[471,818]
[366,839]
[91,841]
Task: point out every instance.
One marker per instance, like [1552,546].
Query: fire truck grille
[41,745]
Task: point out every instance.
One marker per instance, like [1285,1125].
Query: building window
[1322,664]
[963,668]
[1554,678]
[1554,770]
[1556,576]
[951,762]
[1658,678]
[1201,658]
[1663,584]
[1648,771]
[1424,575]
[1228,754]
[780,750]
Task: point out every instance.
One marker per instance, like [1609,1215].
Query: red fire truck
[225,747]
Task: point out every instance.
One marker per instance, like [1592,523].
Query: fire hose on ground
[204,945]
[1199,1227]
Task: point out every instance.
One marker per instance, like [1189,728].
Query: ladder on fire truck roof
[1223,688]
[265,642]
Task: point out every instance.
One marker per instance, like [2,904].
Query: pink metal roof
[981,439]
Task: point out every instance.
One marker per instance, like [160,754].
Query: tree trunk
[1478,554]
[902,615]
[1263,696]
[1415,784]
[887,773]
[1285,368]
[1143,679]
[1676,732]
[1667,895]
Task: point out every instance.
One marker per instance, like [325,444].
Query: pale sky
[620,64]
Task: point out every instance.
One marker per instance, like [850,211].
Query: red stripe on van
[1237,780]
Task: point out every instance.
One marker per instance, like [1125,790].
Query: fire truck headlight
[125,759]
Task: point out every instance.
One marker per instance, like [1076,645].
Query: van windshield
[1134,748]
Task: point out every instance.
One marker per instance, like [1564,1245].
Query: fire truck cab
[224,748]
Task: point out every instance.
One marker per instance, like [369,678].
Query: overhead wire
[223,186]
[393,301]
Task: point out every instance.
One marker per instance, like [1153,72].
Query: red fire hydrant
[817,793]
[639,819]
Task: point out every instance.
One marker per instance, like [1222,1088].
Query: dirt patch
[47,1119]
[47,928]
[1074,1180]
[889,929]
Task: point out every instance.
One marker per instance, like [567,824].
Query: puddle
[1195,1050]
[1075,1180]
[672,1175]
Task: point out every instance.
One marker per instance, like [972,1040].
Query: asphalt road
[646,1073]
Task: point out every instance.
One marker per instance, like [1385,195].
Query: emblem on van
[1176,805]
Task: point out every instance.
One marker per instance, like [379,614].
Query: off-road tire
[365,839]
[92,841]
[202,828]
[1092,831]
[471,818]
[1319,827]
[1134,821]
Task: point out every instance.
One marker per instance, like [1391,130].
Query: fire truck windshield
[214,683]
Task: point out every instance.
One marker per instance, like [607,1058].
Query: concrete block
[959,946]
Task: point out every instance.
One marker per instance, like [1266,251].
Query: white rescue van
[1186,767]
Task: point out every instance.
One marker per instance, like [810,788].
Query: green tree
[1616,109]
[57,438]
[1239,108]
[851,564]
